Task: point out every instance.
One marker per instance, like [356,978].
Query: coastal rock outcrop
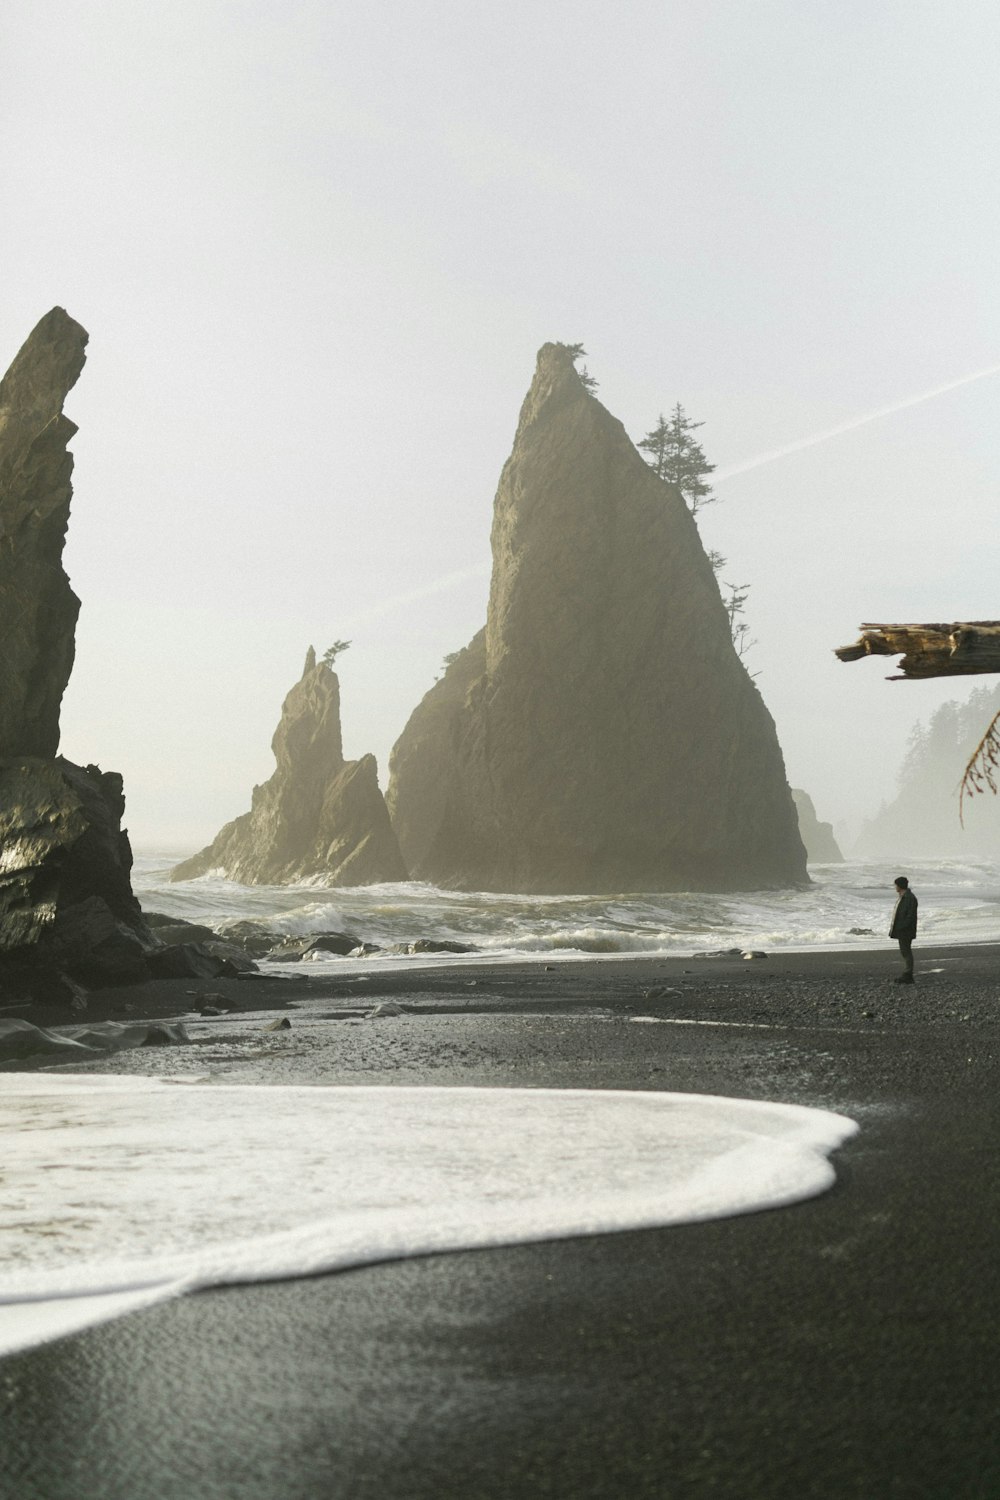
[318,815]
[601,734]
[68,918]
[38,609]
[67,912]
[69,921]
[821,846]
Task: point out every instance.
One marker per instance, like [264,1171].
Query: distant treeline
[922,819]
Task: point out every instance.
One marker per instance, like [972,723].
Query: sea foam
[846,905]
[121,1191]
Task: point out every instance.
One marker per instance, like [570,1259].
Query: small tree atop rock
[576,352]
[332,652]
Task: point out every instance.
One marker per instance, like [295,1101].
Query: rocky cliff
[821,846]
[601,735]
[318,815]
[38,609]
[67,913]
[68,918]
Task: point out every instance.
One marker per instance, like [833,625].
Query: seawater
[122,1191]
[959,903]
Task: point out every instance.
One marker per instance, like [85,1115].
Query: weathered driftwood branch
[931,650]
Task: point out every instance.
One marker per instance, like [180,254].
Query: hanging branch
[984,765]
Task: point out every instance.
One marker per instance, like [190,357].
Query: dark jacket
[904,918]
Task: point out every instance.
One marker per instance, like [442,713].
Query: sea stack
[601,735]
[38,609]
[67,913]
[821,845]
[318,815]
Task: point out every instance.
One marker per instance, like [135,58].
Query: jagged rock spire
[38,609]
[318,815]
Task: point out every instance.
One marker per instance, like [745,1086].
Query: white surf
[120,1192]
[847,905]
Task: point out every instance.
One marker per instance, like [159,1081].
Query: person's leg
[906,949]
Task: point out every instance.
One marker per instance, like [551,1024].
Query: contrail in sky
[855,422]
[872,416]
[426,591]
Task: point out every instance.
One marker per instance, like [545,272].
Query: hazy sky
[317,246]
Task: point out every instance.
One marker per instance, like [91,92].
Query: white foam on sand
[118,1192]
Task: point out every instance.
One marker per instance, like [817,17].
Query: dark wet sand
[846,1347]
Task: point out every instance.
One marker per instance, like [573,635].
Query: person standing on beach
[904,926]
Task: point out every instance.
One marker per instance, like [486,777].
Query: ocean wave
[847,905]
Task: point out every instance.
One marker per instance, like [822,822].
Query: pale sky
[317,246]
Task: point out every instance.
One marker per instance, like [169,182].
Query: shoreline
[842,1347]
[805,984]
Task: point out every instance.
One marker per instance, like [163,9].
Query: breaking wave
[846,905]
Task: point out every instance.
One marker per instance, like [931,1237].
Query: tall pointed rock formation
[318,815]
[67,912]
[601,735]
[38,609]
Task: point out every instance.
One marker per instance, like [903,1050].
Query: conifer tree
[575,352]
[734,601]
[332,652]
[676,456]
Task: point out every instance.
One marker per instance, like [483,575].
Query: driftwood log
[931,650]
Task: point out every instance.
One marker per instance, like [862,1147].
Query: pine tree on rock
[676,456]
[577,352]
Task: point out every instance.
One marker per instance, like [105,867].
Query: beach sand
[841,1347]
